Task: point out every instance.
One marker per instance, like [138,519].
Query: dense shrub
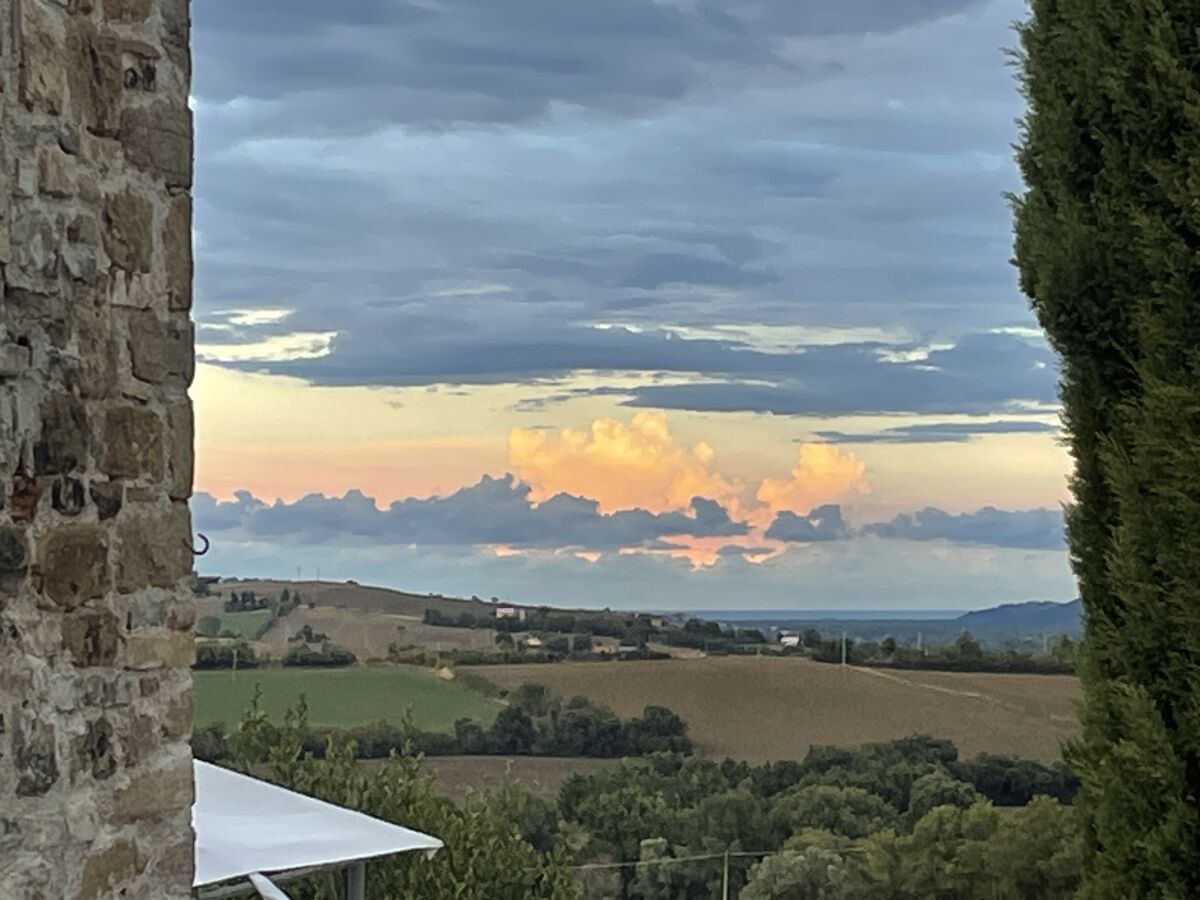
[224,655]
[326,655]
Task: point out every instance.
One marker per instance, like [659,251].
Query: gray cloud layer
[1034,529]
[493,511]
[498,511]
[825,523]
[463,190]
[937,432]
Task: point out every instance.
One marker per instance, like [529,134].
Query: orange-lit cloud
[822,474]
[703,552]
[619,465]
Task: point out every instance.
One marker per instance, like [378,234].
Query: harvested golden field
[349,595]
[758,708]
[369,634]
[366,632]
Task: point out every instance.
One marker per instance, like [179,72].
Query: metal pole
[725,879]
[843,648]
[356,882]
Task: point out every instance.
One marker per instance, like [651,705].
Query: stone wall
[95,449]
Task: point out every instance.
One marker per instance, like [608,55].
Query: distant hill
[1022,623]
[1019,624]
[1065,618]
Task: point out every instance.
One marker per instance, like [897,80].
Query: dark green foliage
[246,601]
[536,722]
[545,620]
[224,655]
[964,654]
[499,846]
[1108,234]
[671,808]
[306,635]
[847,811]
[209,742]
[893,821]
[1008,781]
[327,655]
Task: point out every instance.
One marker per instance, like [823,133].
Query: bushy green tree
[808,874]
[848,811]
[1107,235]
[491,841]
[939,788]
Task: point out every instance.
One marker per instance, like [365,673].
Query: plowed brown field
[758,708]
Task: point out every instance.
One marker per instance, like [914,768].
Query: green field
[342,697]
[244,624]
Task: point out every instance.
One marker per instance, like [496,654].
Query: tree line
[240,654]
[536,722]
[904,820]
[965,654]
[893,821]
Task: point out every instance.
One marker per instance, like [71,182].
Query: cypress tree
[1108,249]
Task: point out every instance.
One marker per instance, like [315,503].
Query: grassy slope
[342,697]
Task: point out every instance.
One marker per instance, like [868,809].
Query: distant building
[510,612]
[533,641]
[658,622]
[789,640]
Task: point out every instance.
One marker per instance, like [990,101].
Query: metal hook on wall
[207,544]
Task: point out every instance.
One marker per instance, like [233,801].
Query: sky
[644,303]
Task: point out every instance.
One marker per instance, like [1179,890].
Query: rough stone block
[108,497]
[67,496]
[26,494]
[160,350]
[56,172]
[14,360]
[64,440]
[177,247]
[97,352]
[92,637]
[158,140]
[33,753]
[154,794]
[93,750]
[133,443]
[127,10]
[129,231]
[79,256]
[177,719]
[156,650]
[113,866]
[139,739]
[43,83]
[74,565]
[106,691]
[155,550]
[132,289]
[92,64]
[175,864]
[14,557]
[180,450]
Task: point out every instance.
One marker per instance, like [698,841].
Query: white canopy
[245,826]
